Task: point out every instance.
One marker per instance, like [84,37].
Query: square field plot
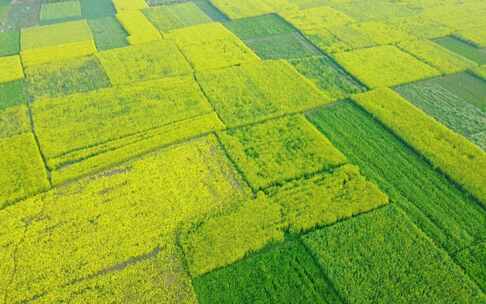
[384,66]
[12,93]
[328,76]
[108,33]
[9,43]
[65,77]
[259,27]
[94,9]
[212,46]
[60,11]
[279,150]
[10,69]
[170,17]
[254,92]
[143,62]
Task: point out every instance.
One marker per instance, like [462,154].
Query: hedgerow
[446,214]
[328,76]
[143,62]
[442,99]
[54,53]
[225,239]
[384,66]
[383,248]
[137,108]
[101,223]
[448,151]
[285,273]
[108,33]
[129,5]
[326,198]
[278,150]
[60,11]
[9,43]
[138,27]
[436,56]
[10,69]
[22,169]
[254,92]
[170,17]
[65,77]
[12,93]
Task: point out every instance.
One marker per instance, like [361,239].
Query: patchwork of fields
[242,151]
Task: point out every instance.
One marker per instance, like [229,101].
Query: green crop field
[242,151]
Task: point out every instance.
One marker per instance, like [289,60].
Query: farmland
[242,151]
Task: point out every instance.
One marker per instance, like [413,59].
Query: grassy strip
[449,152]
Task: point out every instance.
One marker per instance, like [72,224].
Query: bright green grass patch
[143,62]
[94,9]
[12,93]
[438,98]
[384,66]
[227,238]
[22,169]
[278,150]
[10,69]
[9,43]
[449,216]
[114,219]
[450,152]
[259,27]
[436,56]
[138,27]
[473,259]
[297,206]
[54,35]
[163,111]
[253,92]
[383,248]
[462,48]
[218,48]
[285,273]
[170,17]
[108,33]
[65,77]
[60,11]
[14,121]
[328,76]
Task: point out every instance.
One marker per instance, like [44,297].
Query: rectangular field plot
[328,76]
[384,66]
[139,28]
[60,12]
[108,33]
[12,93]
[9,43]
[436,56]
[65,77]
[462,48]
[10,69]
[448,151]
[170,17]
[284,273]
[14,121]
[446,214]
[22,169]
[94,9]
[129,5]
[129,114]
[212,46]
[383,248]
[458,101]
[143,62]
[212,11]
[248,8]
[132,211]
[253,92]
[279,150]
